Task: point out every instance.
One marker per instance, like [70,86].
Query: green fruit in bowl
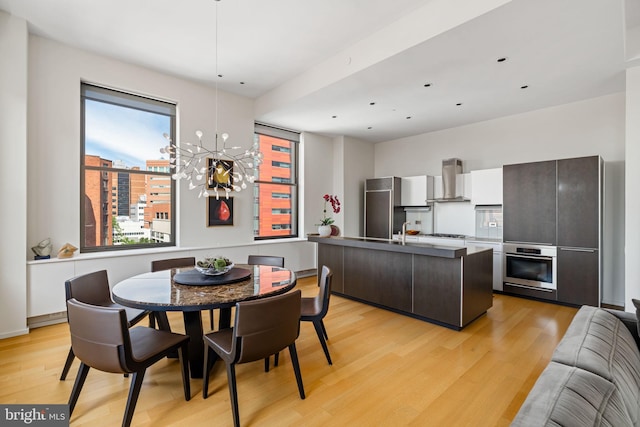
[220,263]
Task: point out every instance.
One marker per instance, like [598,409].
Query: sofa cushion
[569,396]
[636,303]
[598,342]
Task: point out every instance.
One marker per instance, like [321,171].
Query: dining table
[191,291]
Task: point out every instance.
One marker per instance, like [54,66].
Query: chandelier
[216,171]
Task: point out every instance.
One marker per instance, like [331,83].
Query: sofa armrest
[630,321]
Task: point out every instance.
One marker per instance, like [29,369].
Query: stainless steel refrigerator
[383,215]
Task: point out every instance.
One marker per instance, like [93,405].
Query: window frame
[112,93]
[294,138]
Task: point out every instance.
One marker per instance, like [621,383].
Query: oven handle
[540,257]
[528,243]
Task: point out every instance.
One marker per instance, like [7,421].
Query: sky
[120,133]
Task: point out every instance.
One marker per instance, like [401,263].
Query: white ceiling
[307,61]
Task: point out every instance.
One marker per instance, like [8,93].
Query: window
[276,185]
[127,194]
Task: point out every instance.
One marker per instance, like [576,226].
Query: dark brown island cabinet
[559,203]
[440,284]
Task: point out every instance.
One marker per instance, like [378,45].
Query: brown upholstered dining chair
[314,309]
[93,288]
[275,261]
[262,327]
[167,264]
[101,339]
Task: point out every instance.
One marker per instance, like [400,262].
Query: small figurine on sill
[42,250]
[67,251]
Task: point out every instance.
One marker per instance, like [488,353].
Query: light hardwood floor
[389,370]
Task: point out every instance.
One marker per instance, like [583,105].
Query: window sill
[167,250]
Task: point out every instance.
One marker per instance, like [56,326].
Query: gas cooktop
[451,236]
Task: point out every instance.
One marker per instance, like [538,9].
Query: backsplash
[489,222]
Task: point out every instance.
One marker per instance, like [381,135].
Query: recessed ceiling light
[459,104]
[334,117]
[408,117]
[370,127]
[502,59]
[372,103]
[427,85]
[241,83]
[524,86]
[219,75]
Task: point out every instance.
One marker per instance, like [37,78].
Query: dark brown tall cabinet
[529,202]
[579,230]
[559,203]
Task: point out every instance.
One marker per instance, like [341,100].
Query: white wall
[55,74]
[358,166]
[40,99]
[632,191]
[317,178]
[13,174]
[590,127]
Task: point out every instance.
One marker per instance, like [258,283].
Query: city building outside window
[127,194]
[276,187]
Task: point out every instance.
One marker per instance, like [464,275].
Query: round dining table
[190,291]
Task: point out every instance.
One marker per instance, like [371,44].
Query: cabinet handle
[578,250]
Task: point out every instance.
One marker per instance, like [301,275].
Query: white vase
[324,230]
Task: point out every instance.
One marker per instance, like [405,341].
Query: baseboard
[612,306]
[307,273]
[47,319]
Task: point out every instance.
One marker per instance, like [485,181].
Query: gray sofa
[593,378]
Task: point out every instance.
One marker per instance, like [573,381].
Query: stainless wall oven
[531,266]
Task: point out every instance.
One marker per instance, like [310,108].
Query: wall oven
[532,266]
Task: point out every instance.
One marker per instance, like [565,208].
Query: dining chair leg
[77,386]
[276,358]
[266,363]
[233,393]
[152,320]
[211,319]
[67,364]
[324,330]
[134,392]
[183,356]
[207,365]
[319,328]
[296,369]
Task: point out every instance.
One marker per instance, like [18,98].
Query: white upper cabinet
[416,190]
[487,187]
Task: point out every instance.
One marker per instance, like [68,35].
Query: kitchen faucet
[404,232]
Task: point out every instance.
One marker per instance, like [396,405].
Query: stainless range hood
[452,182]
[451,168]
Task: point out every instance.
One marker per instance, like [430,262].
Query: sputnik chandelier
[218,170]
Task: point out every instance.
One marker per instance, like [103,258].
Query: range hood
[452,181]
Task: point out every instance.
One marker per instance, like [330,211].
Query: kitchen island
[445,285]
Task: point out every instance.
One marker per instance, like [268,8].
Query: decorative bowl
[413,232]
[212,271]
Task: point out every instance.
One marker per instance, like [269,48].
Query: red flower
[335,205]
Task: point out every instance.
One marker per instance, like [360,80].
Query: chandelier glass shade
[213,171]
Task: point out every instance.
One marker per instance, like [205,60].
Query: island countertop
[396,246]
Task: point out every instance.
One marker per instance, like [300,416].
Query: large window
[127,194]
[276,186]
